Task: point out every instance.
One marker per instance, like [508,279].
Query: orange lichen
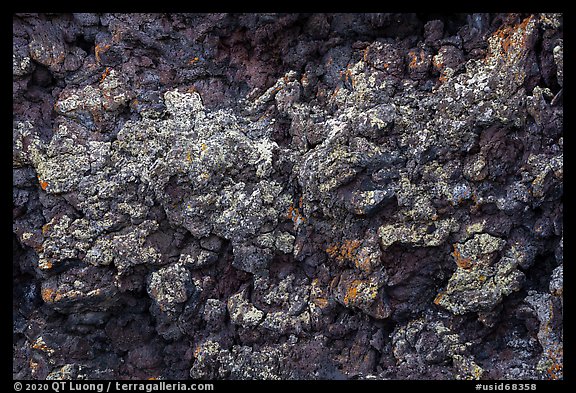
[335,92]
[414,59]
[364,259]
[92,293]
[33,366]
[318,295]
[555,369]
[348,77]
[346,251]
[352,292]
[363,264]
[332,250]
[437,62]
[351,251]
[46,228]
[464,263]
[294,213]
[504,34]
[98,49]
[105,74]
[320,302]
[277,89]
[290,211]
[48,295]
[507,35]
[40,345]
[45,264]
[43,184]
[194,60]
[438,298]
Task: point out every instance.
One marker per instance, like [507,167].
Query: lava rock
[287,196]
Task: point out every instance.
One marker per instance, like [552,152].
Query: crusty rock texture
[287,196]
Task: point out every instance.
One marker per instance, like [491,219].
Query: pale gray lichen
[242,312]
[559,59]
[417,234]
[169,286]
[481,248]
[480,287]
[423,342]
[548,310]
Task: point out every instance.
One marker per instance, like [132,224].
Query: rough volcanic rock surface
[287,196]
